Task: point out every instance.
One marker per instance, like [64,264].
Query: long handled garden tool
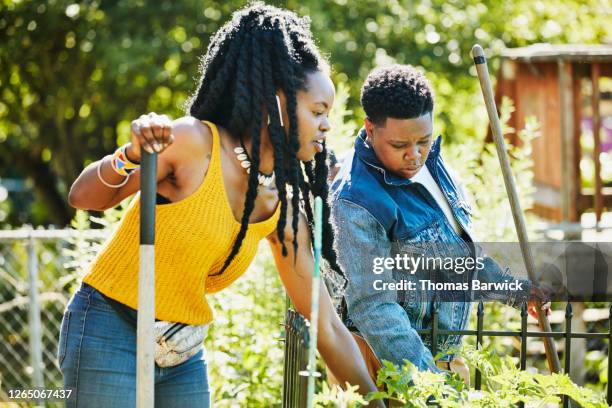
[517,214]
[145,380]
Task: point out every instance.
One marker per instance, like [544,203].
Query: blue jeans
[97,357]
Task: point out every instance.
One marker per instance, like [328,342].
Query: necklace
[245,163]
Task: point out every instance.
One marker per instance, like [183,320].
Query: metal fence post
[568,346]
[296,360]
[479,327]
[609,399]
[303,381]
[287,361]
[34,314]
[295,352]
[434,331]
[524,315]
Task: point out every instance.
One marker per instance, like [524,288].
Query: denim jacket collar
[366,153]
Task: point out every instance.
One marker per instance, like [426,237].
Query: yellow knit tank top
[193,238]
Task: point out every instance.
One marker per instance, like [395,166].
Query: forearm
[492,272]
[334,342]
[343,357]
[100,187]
[89,193]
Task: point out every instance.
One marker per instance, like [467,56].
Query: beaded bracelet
[121,164]
[123,183]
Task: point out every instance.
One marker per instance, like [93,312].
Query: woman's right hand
[151,131]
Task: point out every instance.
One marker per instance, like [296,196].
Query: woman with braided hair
[238,169]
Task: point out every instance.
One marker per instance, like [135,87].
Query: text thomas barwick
[426,284]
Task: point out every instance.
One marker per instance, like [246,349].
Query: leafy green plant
[244,348]
[478,167]
[343,123]
[89,234]
[505,385]
[336,397]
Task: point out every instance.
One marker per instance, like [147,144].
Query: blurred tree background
[73,75]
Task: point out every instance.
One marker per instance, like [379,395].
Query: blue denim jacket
[378,214]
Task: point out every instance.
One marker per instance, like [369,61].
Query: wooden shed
[560,86]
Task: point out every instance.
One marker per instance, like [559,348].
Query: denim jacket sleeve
[492,272]
[378,316]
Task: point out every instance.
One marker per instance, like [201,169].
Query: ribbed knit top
[193,238]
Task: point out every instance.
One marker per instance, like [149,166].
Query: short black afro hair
[396,91]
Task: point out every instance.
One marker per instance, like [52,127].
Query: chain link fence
[38,269]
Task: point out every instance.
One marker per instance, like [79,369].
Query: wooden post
[145,369]
[577,98]
[598,194]
[568,184]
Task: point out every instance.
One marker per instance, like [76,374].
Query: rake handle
[517,214]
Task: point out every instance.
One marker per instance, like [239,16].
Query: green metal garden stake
[314,305]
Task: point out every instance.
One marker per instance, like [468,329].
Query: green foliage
[87,242]
[437,35]
[480,171]
[244,348]
[343,124]
[336,397]
[505,385]
[597,362]
[73,75]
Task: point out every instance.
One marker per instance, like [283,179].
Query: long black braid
[261,50]
[318,186]
[293,145]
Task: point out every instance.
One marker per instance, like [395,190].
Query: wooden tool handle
[517,214]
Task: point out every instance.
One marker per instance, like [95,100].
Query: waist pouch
[175,343]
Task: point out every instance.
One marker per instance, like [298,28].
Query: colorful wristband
[107,184]
[121,164]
